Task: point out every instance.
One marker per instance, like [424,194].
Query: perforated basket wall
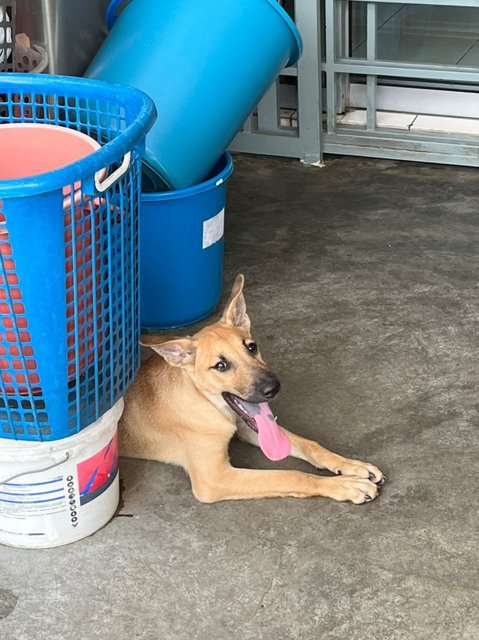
[69,324]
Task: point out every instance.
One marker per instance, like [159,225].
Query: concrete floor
[362,282]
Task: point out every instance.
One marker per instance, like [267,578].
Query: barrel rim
[212,183]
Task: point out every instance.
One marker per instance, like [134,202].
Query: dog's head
[222,358]
[225,364]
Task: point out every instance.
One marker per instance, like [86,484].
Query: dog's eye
[251,346]
[221,366]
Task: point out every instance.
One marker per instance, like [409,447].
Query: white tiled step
[392,120]
[384,119]
[414,122]
[289,118]
[469,126]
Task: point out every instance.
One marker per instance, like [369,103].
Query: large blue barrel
[206,66]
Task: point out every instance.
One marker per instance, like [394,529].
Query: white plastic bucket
[54,493]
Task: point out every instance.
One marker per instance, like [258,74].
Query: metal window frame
[372,140]
[263,134]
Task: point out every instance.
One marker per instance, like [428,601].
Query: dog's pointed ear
[177,352]
[235,311]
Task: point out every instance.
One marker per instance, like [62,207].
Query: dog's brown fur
[175,413]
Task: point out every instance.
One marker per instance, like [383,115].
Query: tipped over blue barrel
[206,66]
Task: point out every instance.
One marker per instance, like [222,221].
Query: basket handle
[29,471]
[103,185]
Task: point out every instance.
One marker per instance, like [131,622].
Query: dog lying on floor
[192,396]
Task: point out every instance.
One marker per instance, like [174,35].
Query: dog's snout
[271,387]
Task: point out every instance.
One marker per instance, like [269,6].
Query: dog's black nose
[271,387]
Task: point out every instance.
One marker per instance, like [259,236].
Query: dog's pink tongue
[273,441]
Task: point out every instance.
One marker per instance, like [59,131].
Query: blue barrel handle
[111,12]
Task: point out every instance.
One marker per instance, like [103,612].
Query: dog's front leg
[229,483]
[318,456]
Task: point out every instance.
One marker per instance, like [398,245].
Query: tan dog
[188,401]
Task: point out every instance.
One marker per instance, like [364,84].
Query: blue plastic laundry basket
[181,251]
[206,66]
[69,316]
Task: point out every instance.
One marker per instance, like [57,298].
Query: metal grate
[371,139]
[328,76]
[7,36]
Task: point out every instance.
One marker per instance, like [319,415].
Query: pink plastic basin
[29,149]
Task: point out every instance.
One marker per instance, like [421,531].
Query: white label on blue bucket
[213,229]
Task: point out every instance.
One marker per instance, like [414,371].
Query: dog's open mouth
[273,441]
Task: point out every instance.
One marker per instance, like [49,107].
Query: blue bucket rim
[217,180]
[109,153]
[114,5]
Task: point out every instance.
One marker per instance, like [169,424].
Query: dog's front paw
[360,469]
[357,490]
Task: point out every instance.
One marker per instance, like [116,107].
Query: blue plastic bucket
[206,66]
[181,251]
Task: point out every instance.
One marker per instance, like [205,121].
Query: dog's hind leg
[318,456]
